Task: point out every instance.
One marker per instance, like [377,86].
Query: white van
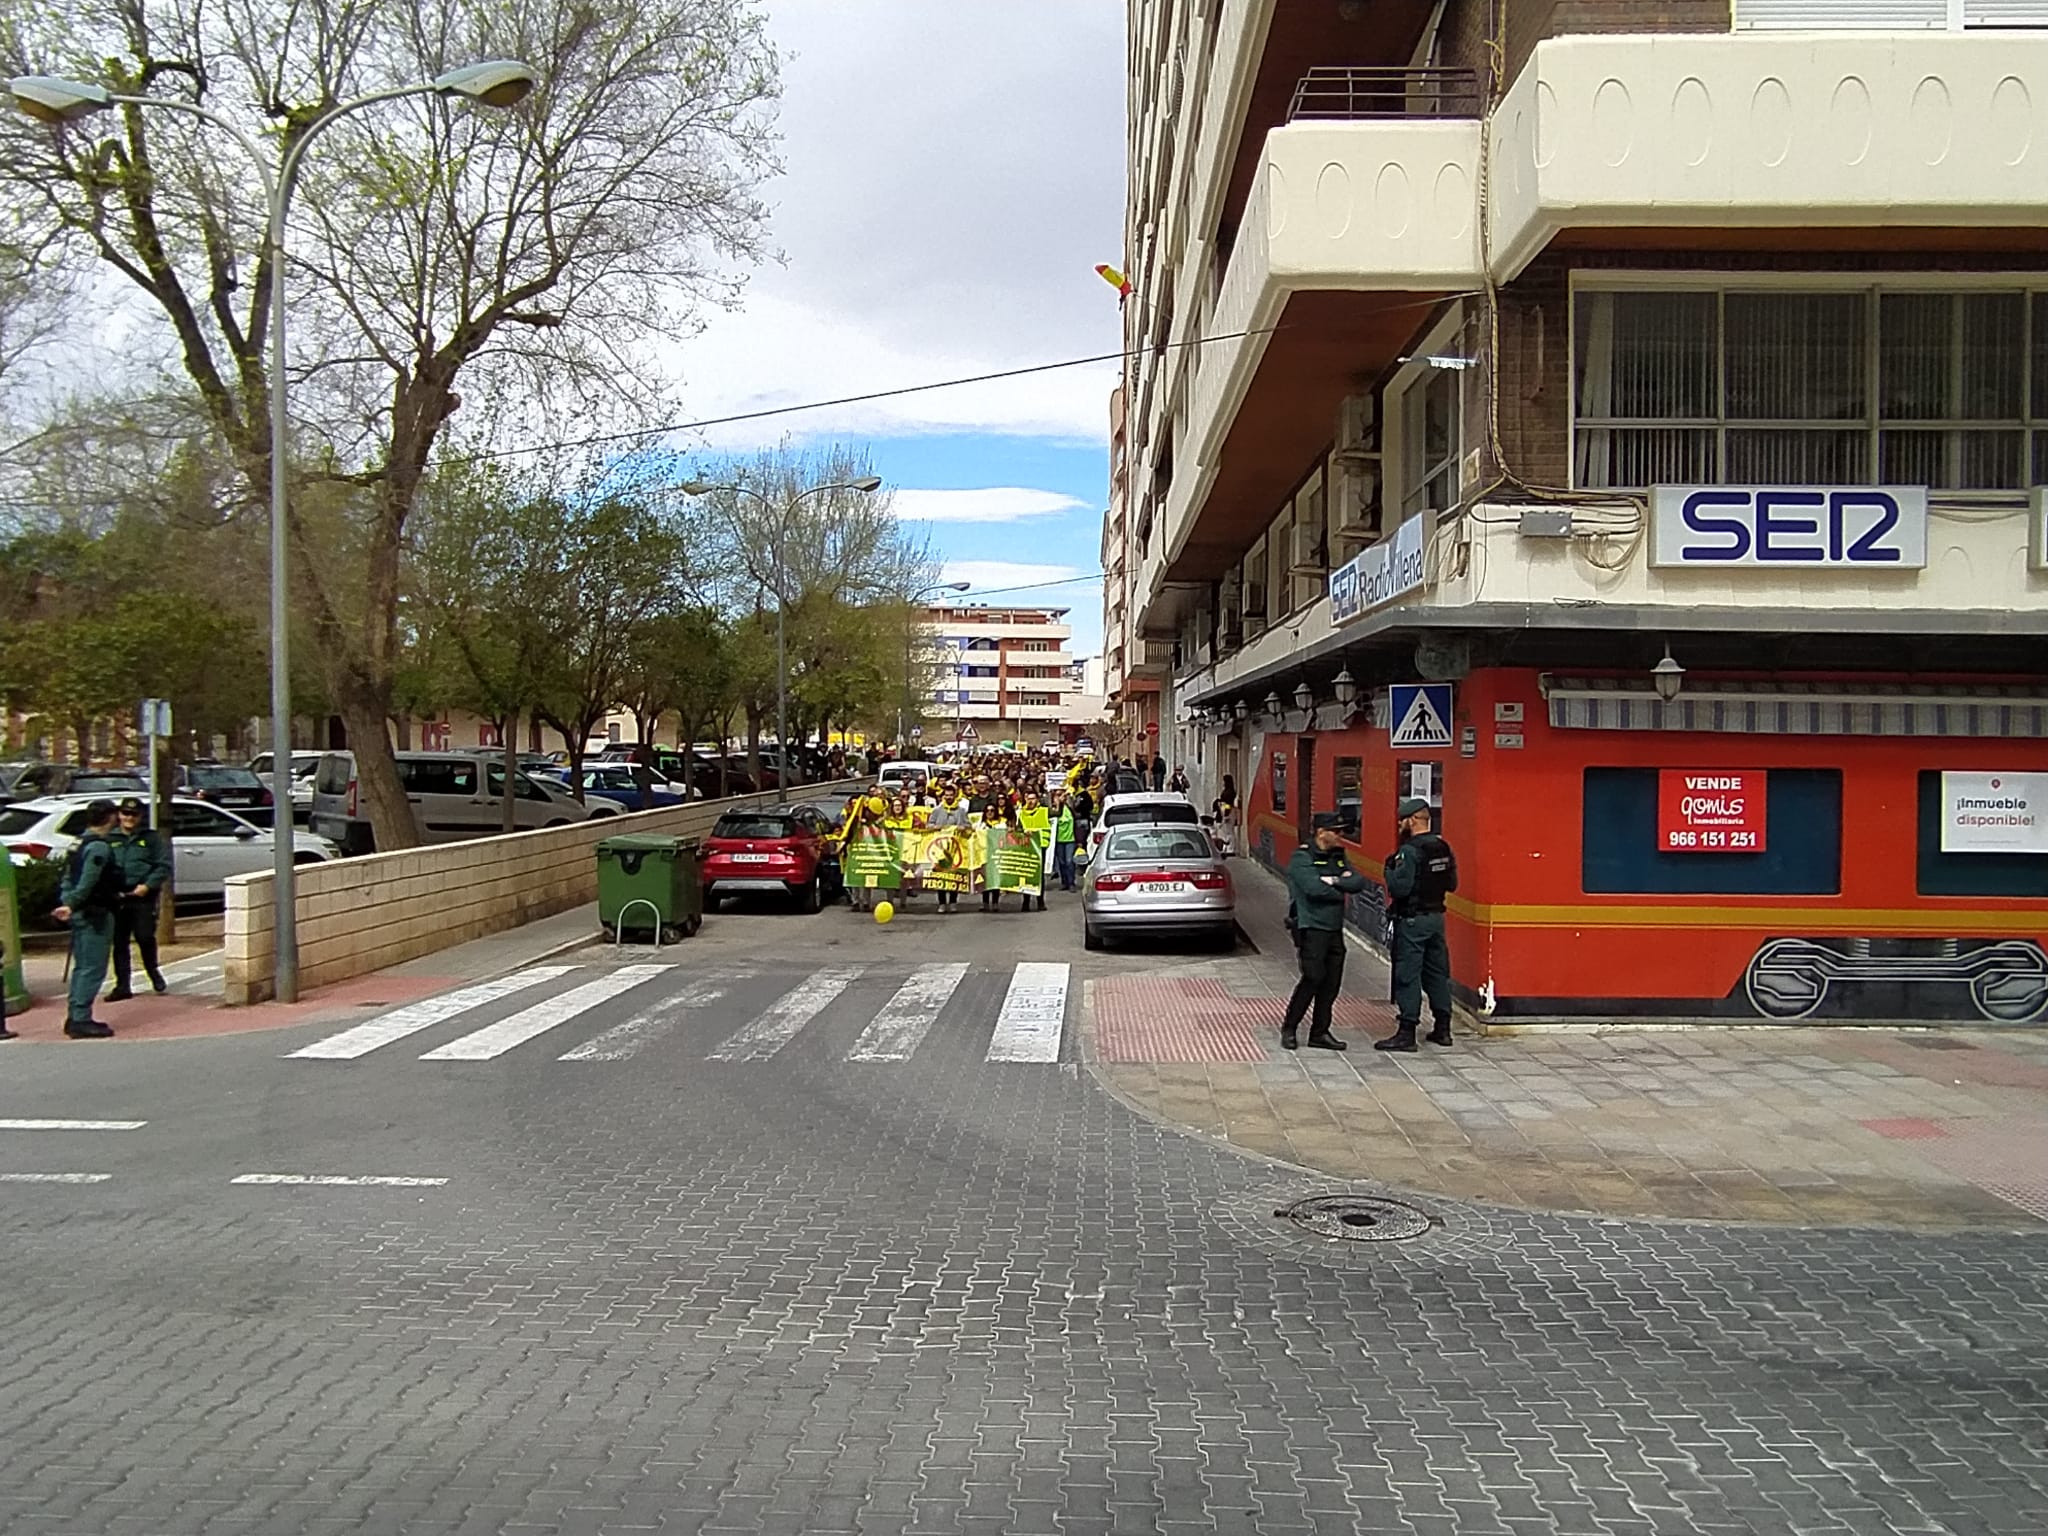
[905,776]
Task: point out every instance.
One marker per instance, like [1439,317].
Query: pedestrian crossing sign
[1419,714]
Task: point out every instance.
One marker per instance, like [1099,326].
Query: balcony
[1845,131]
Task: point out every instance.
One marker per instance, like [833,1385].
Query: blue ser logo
[1842,528]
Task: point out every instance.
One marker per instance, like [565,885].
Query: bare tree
[526,255]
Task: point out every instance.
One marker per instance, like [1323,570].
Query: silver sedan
[1157,880]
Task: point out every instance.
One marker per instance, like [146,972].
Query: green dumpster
[14,987]
[649,884]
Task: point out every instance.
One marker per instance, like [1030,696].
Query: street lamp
[1668,677]
[1345,686]
[865,484]
[53,99]
[1304,697]
[915,598]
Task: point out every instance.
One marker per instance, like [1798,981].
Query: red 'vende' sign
[1710,810]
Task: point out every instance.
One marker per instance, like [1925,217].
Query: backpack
[105,896]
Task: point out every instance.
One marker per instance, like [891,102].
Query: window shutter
[2005,13]
[1856,15]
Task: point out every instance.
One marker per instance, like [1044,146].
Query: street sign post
[156,724]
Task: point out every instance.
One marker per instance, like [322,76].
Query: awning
[1797,709]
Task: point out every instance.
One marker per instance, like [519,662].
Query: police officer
[1420,873]
[1318,881]
[89,897]
[145,868]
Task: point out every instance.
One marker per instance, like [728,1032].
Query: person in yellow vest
[1036,820]
[896,823]
[995,814]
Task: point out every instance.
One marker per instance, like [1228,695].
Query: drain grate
[1356,1218]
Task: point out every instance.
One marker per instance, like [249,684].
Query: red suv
[780,849]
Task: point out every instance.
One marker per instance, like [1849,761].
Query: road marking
[908,1016]
[780,1024]
[395,1180]
[414,1017]
[54,1178]
[496,1039]
[1034,1015]
[621,1041]
[72,1125]
[212,963]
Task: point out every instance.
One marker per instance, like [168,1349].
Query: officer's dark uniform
[1421,872]
[145,865]
[92,891]
[1318,912]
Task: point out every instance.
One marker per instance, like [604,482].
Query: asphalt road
[828,1228]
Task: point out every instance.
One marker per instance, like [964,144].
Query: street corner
[1876,1129]
[194,1016]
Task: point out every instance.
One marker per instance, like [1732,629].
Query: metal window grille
[1832,387]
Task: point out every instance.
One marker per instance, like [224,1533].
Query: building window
[1280,781]
[1350,777]
[1970,874]
[1810,387]
[1802,840]
[1897,15]
[1429,416]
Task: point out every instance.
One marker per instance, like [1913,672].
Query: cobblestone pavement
[1813,1126]
[939,1294]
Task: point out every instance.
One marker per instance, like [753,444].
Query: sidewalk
[1806,1126]
[193,1006]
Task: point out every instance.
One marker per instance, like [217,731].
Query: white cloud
[1001,575]
[954,172]
[992,504]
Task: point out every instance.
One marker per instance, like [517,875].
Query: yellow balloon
[884,911]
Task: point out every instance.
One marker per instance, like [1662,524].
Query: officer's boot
[1402,1039]
[1441,1034]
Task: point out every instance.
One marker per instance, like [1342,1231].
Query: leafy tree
[437,251]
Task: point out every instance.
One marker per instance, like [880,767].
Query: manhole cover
[1355,1218]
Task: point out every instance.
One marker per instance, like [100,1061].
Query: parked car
[616,783]
[304,766]
[232,788]
[1157,878]
[27,780]
[108,786]
[208,843]
[596,805]
[455,795]
[777,849]
[905,775]
[1147,809]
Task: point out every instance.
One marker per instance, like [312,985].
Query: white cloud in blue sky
[954,172]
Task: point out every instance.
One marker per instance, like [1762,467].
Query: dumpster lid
[645,842]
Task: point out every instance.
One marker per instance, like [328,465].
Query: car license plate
[1166,887]
[751,858]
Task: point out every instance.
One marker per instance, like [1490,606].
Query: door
[537,808]
[208,845]
[447,799]
[1304,787]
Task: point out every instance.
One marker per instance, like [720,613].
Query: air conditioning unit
[1358,427]
[1355,499]
[1308,551]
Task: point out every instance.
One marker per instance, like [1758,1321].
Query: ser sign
[1715,810]
[1843,528]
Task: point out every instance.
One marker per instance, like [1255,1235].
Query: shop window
[1279,781]
[1970,874]
[1802,840]
[1846,386]
[1350,778]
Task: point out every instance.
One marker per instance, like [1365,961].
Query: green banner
[873,856]
[1013,861]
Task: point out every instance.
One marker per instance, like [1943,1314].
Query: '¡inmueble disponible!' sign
[1994,813]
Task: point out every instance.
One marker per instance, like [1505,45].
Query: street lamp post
[909,630]
[865,485]
[53,99]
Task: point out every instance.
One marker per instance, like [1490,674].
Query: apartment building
[1625,425]
[1004,671]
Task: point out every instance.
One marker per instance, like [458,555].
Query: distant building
[1004,670]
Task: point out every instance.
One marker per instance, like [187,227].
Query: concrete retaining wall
[360,915]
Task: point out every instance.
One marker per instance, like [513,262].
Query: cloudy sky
[954,173]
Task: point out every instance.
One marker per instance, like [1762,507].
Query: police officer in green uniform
[88,898]
[145,869]
[1420,873]
[1318,880]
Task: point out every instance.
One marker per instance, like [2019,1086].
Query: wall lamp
[1304,696]
[1668,676]
[1345,686]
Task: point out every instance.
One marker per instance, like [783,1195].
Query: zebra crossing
[599,1015]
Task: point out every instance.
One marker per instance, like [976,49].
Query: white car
[304,766]
[905,775]
[208,844]
[1163,809]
